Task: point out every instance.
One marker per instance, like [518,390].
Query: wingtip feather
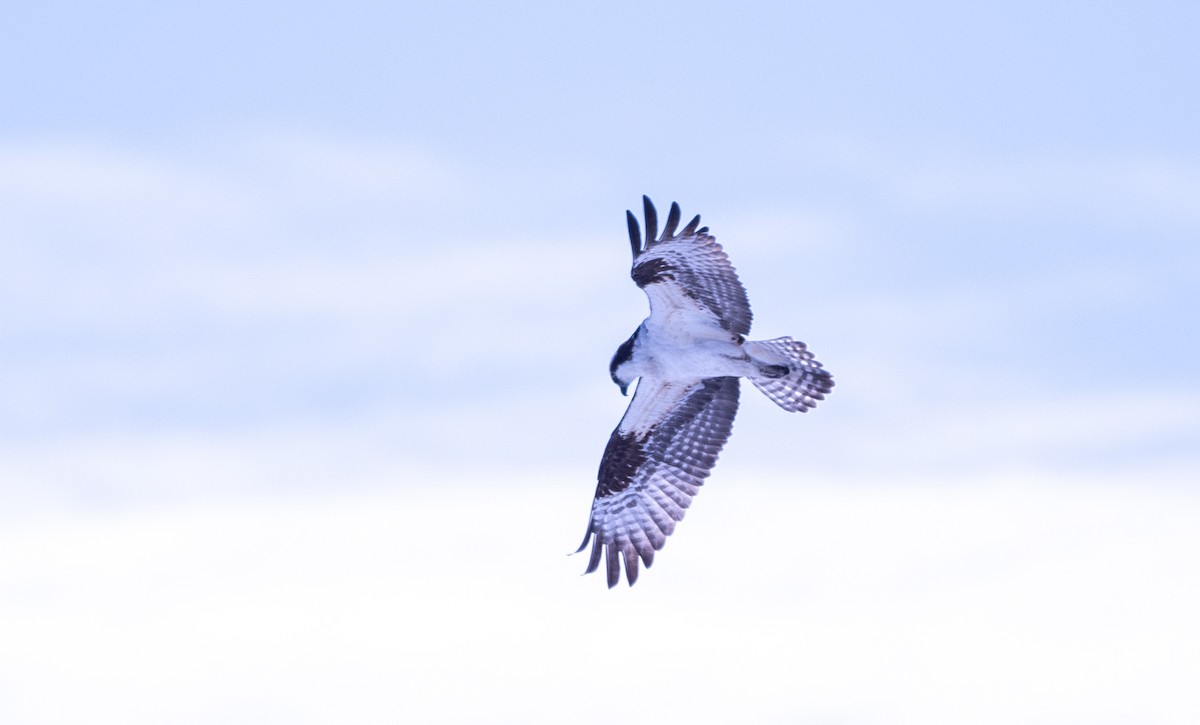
[594,560]
[690,229]
[586,538]
[631,565]
[635,233]
[672,221]
[651,220]
[614,565]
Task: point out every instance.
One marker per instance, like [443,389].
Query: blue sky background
[305,313]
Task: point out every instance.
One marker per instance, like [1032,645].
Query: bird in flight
[687,357]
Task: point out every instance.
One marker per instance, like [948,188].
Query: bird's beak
[624,390]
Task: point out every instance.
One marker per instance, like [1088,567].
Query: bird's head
[618,369]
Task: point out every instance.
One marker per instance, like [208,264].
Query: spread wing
[654,464]
[686,272]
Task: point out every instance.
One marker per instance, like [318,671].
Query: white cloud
[948,178]
[217,233]
[1131,188]
[1026,428]
[174,279]
[308,166]
[109,184]
[1033,600]
[252,333]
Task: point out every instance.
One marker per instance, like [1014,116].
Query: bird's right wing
[655,462]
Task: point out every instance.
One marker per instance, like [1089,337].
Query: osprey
[687,355]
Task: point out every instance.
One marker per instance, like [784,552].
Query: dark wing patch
[692,264]
[647,479]
[653,271]
[623,458]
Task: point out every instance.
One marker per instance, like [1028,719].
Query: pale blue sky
[313,269]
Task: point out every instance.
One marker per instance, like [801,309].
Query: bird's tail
[788,374]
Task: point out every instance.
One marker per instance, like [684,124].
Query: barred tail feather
[791,377]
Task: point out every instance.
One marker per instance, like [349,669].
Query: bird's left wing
[686,274]
[655,462]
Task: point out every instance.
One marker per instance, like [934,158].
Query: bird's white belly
[672,354]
